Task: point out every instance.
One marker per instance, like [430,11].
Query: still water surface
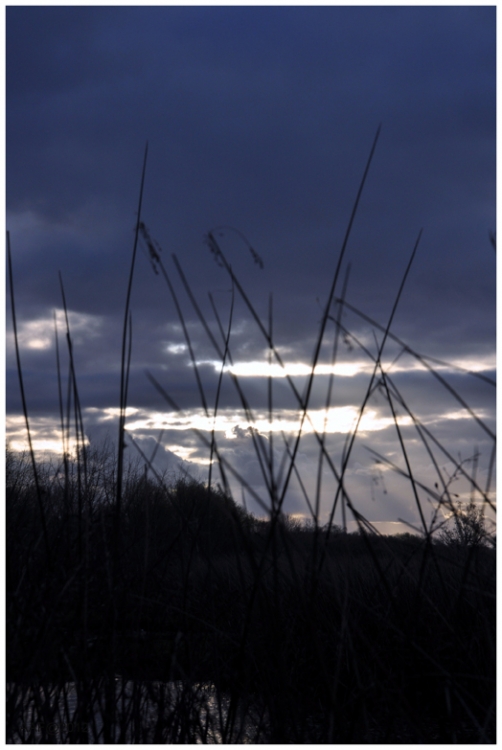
[136,712]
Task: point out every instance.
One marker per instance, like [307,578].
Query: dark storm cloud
[260,118]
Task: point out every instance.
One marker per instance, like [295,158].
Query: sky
[259,122]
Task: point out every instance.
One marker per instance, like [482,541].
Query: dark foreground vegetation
[143,608]
[303,636]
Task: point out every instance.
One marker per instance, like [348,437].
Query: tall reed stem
[123,373]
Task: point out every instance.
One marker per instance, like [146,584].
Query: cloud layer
[259,122]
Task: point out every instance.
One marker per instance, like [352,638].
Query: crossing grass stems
[146,607]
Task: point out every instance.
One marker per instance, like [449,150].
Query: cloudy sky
[260,122]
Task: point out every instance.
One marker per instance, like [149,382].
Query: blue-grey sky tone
[262,119]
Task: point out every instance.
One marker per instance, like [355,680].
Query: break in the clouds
[259,122]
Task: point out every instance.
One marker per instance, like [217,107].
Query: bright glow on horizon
[113,412]
[258,369]
[229,423]
[43,445]
[340,419]
[262,369]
